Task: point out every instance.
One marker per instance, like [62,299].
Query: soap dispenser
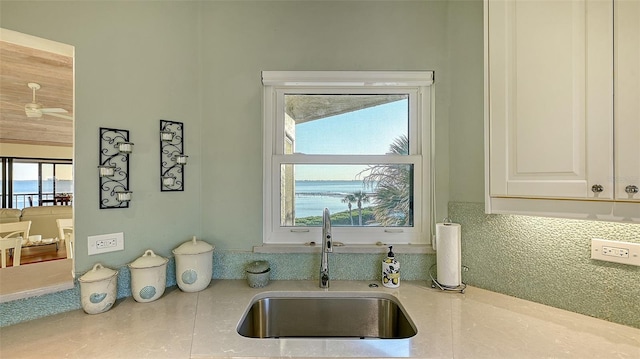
[390,270]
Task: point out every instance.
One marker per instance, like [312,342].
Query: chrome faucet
[326,249]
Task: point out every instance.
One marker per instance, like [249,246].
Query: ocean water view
[313,196]
[21,188]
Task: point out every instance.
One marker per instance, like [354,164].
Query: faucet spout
[327,247]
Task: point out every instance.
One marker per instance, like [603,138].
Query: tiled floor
[477,324]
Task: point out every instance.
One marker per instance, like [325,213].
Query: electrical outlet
[105,243]
[615,251]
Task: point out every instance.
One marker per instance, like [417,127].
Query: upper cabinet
[627,99]
[558,142]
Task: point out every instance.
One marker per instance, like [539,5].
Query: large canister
[98,289]
[148,277]
[194,265]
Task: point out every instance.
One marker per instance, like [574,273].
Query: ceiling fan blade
[58,115]
[53,110]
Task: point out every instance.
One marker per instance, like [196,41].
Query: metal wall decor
[172,157]
[113,170]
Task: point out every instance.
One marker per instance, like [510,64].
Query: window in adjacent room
[354,142]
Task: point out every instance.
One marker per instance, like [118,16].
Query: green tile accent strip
[23,310]
[303,266]
[548,260]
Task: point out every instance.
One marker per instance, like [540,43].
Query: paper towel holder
[435,284]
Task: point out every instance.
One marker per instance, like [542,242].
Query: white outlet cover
[92,249]
[616,251]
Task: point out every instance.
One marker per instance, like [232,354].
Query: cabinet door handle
[597,188]
[631,189]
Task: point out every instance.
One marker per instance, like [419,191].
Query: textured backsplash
[342,266]
[548,260]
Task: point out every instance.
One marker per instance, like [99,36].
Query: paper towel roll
[448,254]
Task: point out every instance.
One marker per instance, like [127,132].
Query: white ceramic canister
[194,265]
[98,289]
[148,277]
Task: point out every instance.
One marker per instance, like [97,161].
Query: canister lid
[257,267]
[148,260]
[98,272]
[193,247]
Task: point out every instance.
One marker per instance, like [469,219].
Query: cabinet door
[550,98]
[627,98]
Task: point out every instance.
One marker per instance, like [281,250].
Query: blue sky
[369,131]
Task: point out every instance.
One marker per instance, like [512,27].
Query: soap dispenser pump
[390,270]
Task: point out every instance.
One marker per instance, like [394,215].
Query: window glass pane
[345,124]
[47,180]
[25,184]
[362,195]
[64,178]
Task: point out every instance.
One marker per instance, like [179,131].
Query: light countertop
[476,324]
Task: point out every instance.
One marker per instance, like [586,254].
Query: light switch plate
[615,251]
[104,243]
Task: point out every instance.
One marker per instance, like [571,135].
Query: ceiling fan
[35,110]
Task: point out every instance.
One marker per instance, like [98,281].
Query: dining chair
[65,233]
[11,237]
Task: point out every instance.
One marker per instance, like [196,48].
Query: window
[36,182]
[354,142]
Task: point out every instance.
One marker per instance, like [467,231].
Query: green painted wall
[136,63]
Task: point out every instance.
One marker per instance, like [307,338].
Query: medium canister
[148,277]
[194,265]
[98,289]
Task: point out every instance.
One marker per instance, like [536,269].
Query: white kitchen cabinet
[551,135]
[627,99]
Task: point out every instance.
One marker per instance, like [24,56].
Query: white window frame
[415,83]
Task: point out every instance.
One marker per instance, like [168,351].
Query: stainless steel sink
[326,316]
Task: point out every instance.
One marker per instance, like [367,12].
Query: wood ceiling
[20,65]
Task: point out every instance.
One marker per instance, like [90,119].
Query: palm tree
[361,197]
[393,190]
[349,199]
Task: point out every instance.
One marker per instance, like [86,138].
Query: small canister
[148,277]
[194,265]
[98,289]
[258,274]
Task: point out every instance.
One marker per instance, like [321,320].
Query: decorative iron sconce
[172,157]
[113,170]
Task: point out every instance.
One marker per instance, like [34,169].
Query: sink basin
[322,315]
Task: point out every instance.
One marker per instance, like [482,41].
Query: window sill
[347,248]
